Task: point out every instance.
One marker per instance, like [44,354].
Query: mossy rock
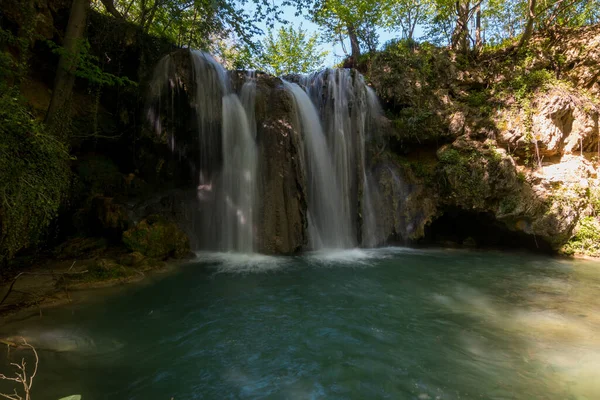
[81,247]
[106,269]
[132,259]
[157,238]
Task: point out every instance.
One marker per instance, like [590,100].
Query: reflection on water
[388,323]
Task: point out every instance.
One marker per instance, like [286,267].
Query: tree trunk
[460,36]
[354,44]
[528,32]
[67,63]
[478,38]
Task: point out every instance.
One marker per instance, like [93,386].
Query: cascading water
[248,98]
[221,149]
[341,204]
[239,178]
[329,227]
[336,111]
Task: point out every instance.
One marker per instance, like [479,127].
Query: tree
[291,51]
[354,19]
[67,64]
[191,23]
[406,15]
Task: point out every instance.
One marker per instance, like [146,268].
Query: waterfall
[342,111]
[248,98]
[221,147]
[239,178]
[329,227]
[194,107]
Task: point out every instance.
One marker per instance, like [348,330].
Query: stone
[132,259]
[282,223]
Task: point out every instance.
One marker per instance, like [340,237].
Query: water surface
[358,324]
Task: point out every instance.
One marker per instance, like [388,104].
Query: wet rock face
[406,203]
[281,223]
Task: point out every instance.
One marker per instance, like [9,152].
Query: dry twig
[21,376]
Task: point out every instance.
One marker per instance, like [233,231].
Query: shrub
[34,175]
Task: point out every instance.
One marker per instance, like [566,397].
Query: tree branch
[112,10]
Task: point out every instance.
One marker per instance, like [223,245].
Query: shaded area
[458,227]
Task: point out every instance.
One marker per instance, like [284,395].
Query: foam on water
[345,257]
[242,263]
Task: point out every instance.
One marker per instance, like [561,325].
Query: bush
[34,175]
[586,240]
[530,81]
[157,238]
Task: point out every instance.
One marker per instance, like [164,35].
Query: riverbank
[47,283]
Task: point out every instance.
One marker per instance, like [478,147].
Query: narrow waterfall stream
[222,150]
[329,226]
[337,110]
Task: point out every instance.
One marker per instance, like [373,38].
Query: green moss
[157,238]
[103,270]
[508,205]
[528,82]
[450,156]
[461,175]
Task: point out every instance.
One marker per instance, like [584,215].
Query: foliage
[197,23]
[34,175]
[506,19]
[406,15]
[356,19]
[527,83]
[87,66]
[586,240]
[157,238]
[411,76]
[290,52]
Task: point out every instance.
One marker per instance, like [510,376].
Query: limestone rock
[282,224]
[561,122]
